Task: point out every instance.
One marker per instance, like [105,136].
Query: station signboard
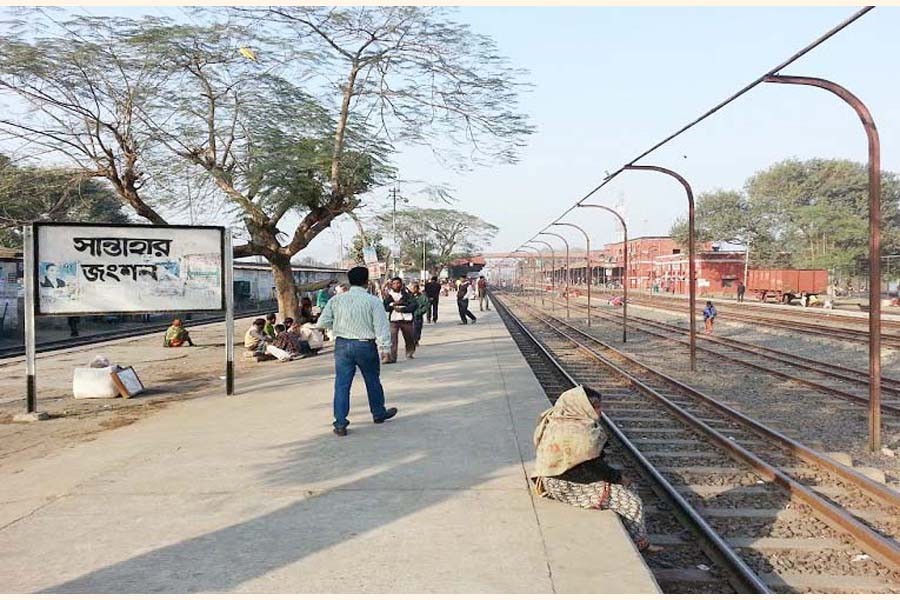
[110,269]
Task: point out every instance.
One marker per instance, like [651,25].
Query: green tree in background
[448,233]
[800,214]
[34,194]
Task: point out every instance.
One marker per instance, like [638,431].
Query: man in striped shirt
[361,328]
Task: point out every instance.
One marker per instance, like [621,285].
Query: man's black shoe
[340,431]
[388,414]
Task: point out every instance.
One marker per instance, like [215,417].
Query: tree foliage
[236,99]
[413,75]
[38,194]
[801,214]
[448,234]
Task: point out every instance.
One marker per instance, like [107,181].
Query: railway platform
[254,493]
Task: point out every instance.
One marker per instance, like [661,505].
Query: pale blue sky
[609,82]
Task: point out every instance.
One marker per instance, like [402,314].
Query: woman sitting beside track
[569,466]
[177,335]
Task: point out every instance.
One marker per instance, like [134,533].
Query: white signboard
[369,255]
[90,269]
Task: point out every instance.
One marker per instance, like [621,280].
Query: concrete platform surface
[254,493]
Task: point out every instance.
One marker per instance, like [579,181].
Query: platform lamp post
[692,268]
[525,265]
[534,273]
[587,257]
[874,241]
[567,280]
[625,258]
[521,263]
[552,267]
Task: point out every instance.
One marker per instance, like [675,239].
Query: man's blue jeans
[349,354]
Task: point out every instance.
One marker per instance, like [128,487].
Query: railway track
[835,380]
[786,518]
[795,321]
[84,340]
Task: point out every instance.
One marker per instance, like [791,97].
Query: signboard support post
[30,392]
[229,313]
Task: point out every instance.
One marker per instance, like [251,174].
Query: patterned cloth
[357,315]
[567,434]
[599,496]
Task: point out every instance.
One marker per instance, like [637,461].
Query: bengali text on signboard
[90,269]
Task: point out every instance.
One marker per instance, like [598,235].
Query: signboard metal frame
[32,300]
[35,267]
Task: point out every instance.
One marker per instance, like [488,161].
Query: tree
[448,233]
[82,85]
[418,76]
[802,214]
[824,210]
[260,139]
[37,194]
[117,97]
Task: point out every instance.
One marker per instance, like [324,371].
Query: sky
[610,82]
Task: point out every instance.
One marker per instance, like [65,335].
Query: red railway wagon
[784,285]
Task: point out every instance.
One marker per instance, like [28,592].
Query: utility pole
[394,250]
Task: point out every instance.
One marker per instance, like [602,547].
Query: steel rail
[876,544]
[850,375]
[756,317]
[872,488]
[743,577]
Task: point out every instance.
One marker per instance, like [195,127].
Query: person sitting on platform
[257,343]
[177,335]
[570,467]
[269,327]
[289,342]
[308,334]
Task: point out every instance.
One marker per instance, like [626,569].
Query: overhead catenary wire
[774,71]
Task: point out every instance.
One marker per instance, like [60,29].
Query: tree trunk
[285,289]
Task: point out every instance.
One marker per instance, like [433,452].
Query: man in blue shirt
[361,328]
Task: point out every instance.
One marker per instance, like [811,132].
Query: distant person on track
[709,317]
[570,467]
[462,303]
[401,306]
[741,288]
[361,327]
[483,301]
[177,335]
[433,291]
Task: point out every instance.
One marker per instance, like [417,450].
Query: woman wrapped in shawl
[569,466]
[177,335]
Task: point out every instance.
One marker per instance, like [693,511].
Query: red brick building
[660,262]
[717,272]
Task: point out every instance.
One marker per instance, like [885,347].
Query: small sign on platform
[128,382]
